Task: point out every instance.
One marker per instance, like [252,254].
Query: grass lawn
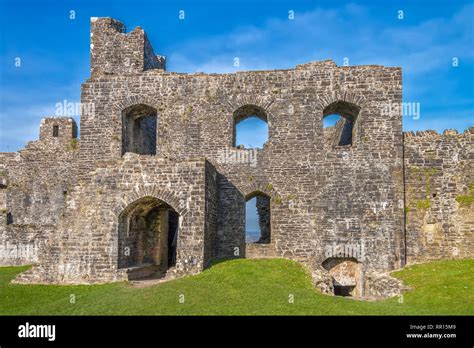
[244,287]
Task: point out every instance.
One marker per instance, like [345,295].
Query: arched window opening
[257,219]
[339,119]
[139,128]
[250,127]
[147,238]
[345,276]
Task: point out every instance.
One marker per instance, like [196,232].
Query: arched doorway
[147,238]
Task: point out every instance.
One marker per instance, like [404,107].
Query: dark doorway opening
[343,290]
[173,223]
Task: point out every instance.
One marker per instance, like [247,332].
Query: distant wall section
[439,193]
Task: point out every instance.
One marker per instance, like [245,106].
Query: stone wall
[84,248]
[439,171]
[320,192]
[339,187]
[35,183]
[108,36]
[22,244]
[39,176]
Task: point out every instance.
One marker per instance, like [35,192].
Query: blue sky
[54,50]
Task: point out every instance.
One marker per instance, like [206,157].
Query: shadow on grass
[215,262]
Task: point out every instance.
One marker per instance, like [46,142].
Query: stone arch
[140,191]
[266,103]
[247,189]
[125,103]
[247,110]
[345,275]
[325,99]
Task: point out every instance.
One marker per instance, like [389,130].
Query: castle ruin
[157,185]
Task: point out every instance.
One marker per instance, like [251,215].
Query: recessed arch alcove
[139,129]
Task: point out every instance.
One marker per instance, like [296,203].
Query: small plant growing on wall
[423,203]
[72,146]
[467,199]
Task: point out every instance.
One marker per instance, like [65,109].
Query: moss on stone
[467,199]
[423,203]
[72,145]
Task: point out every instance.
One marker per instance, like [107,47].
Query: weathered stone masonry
[152,165]
[438,171]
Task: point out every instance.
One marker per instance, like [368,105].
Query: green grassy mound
[244,287]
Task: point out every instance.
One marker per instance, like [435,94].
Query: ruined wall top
[58,128]
[113,51]
[116,52]
[432,134]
